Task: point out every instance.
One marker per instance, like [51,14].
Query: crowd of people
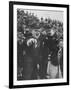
[39,47]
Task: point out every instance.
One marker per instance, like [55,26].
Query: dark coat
[52,45]
[44,50]
[61,62]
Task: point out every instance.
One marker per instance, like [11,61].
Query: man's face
[44,33]
[52,32]
[61,43]
[36,34]
[20,41]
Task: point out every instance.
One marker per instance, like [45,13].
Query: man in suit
[44,51]
[31,57]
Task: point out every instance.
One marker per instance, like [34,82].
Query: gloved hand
[31,41]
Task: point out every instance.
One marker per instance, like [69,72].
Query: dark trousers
[30,68]
[61,65]
[43,68]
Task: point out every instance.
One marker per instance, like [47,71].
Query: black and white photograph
[39,44]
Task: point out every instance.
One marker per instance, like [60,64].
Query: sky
[56,15]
